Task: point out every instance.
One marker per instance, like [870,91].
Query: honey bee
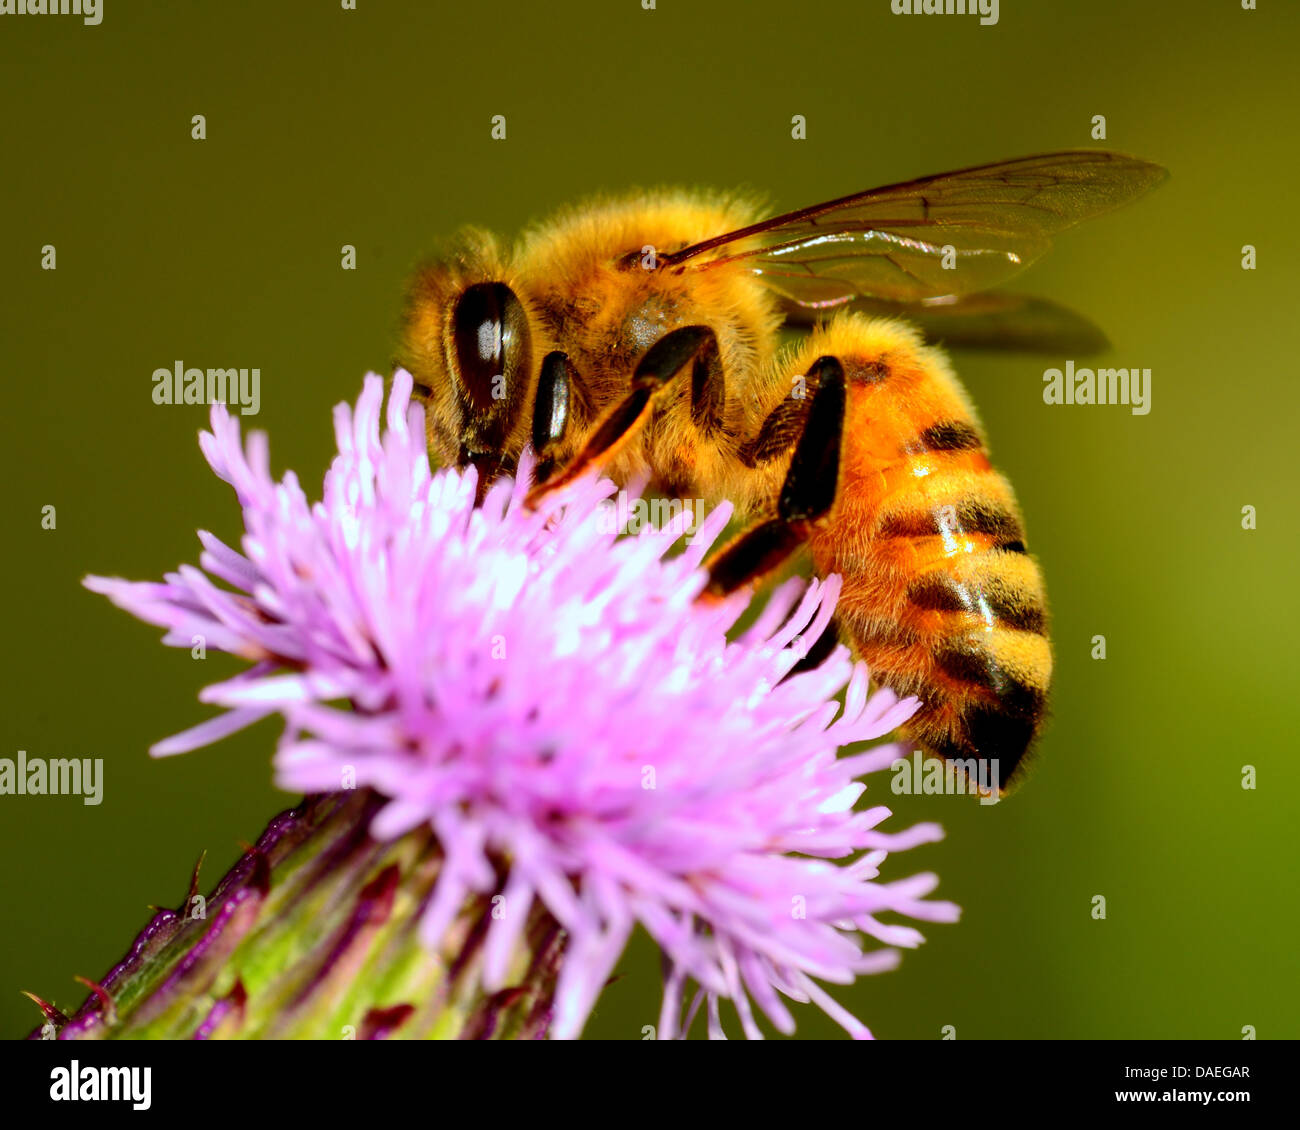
[642,335]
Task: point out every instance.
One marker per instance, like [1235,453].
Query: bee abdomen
[946,604]
[996,694]
[989,591]
[971,642]
[940,597]
[951,435]
[960,507]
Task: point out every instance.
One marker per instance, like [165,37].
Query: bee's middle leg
[692,349]
[808,491]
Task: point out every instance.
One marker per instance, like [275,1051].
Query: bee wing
[991,320]
[988,222]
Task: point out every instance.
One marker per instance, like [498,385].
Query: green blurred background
[371,127]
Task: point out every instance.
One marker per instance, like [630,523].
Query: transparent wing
[991,320]
[951,234]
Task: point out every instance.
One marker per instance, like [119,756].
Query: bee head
[467,342]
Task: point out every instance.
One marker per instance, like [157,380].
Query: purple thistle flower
[548,698]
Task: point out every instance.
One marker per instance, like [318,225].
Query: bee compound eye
[492,348]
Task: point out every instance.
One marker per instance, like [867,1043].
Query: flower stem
[313,934]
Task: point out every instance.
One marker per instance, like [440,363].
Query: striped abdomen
[940,596]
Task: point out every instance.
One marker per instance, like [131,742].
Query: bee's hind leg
[807,494]
[690,347]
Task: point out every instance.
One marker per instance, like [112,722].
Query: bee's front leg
[559,404]
[690,348]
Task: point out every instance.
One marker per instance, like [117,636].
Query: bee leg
[708,387]
[815,654]
[809,491]
[662,363]
[558,401]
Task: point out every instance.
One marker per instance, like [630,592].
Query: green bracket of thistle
[314,934]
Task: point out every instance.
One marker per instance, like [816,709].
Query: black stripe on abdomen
[1013,606]
[971,515]
[952,435]
[969,659]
